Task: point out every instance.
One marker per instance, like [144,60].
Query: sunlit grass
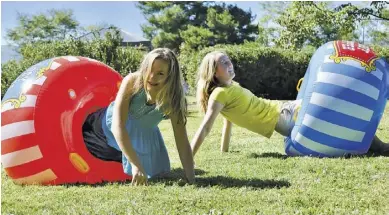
[253,178]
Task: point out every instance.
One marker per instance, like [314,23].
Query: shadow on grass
[176,174]
[234,151]
[220,181]
[367,155]
[100,184]
[228,182]
[268,155]
[282,156]
[192,114]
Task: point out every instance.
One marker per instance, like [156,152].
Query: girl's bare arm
[226,135]
[213,110]
[119,119]
[183,147]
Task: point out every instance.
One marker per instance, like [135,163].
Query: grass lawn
[255,177]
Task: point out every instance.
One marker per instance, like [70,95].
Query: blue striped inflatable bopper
[342,105]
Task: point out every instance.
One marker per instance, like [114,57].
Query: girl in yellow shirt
[218,93]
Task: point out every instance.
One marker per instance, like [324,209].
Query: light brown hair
[206,80]
[170,99]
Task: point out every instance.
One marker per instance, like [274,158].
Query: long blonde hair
[206,80]
[170,99]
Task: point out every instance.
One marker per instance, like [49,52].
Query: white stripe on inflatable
[41,177]
[330,46]
[40,80]
[341,106]
[320,148]
[54,65]
[21,157]
[17,129]
[378,73]
[71,58]
[333,129]
[348,82]
[90,59]
[355,64]
[29,102]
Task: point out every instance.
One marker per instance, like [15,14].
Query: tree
[268,29]
[379,30]
[298,24]
[374,17]
[172,23]
[223,23]
[196,37]
[94,28]
[55,25]
[376,9]
[313,23]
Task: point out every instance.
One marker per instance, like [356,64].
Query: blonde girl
[218,93]
[127,130]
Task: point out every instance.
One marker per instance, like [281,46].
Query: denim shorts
[288,116]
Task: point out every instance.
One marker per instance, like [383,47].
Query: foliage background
[269,56]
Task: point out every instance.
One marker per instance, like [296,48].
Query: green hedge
[10,71]
[268,72]
[108,51]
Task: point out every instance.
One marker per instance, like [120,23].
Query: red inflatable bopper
[42,116]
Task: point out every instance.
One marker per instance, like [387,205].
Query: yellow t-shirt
[244,109]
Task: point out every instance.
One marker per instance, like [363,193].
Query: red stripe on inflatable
[17,115]
[27,169]
[18,143]
[48,72]
[34,90]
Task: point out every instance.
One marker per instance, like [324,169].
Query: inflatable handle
[299,84]
[79,163]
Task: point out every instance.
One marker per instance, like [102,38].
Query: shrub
[108,51]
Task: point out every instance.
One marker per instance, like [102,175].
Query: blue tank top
[146,139]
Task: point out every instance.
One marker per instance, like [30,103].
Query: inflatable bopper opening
[42,116]
[343,93]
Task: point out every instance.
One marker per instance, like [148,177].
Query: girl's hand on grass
[185,181]
[190,179]
[138,177]
[190,182]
